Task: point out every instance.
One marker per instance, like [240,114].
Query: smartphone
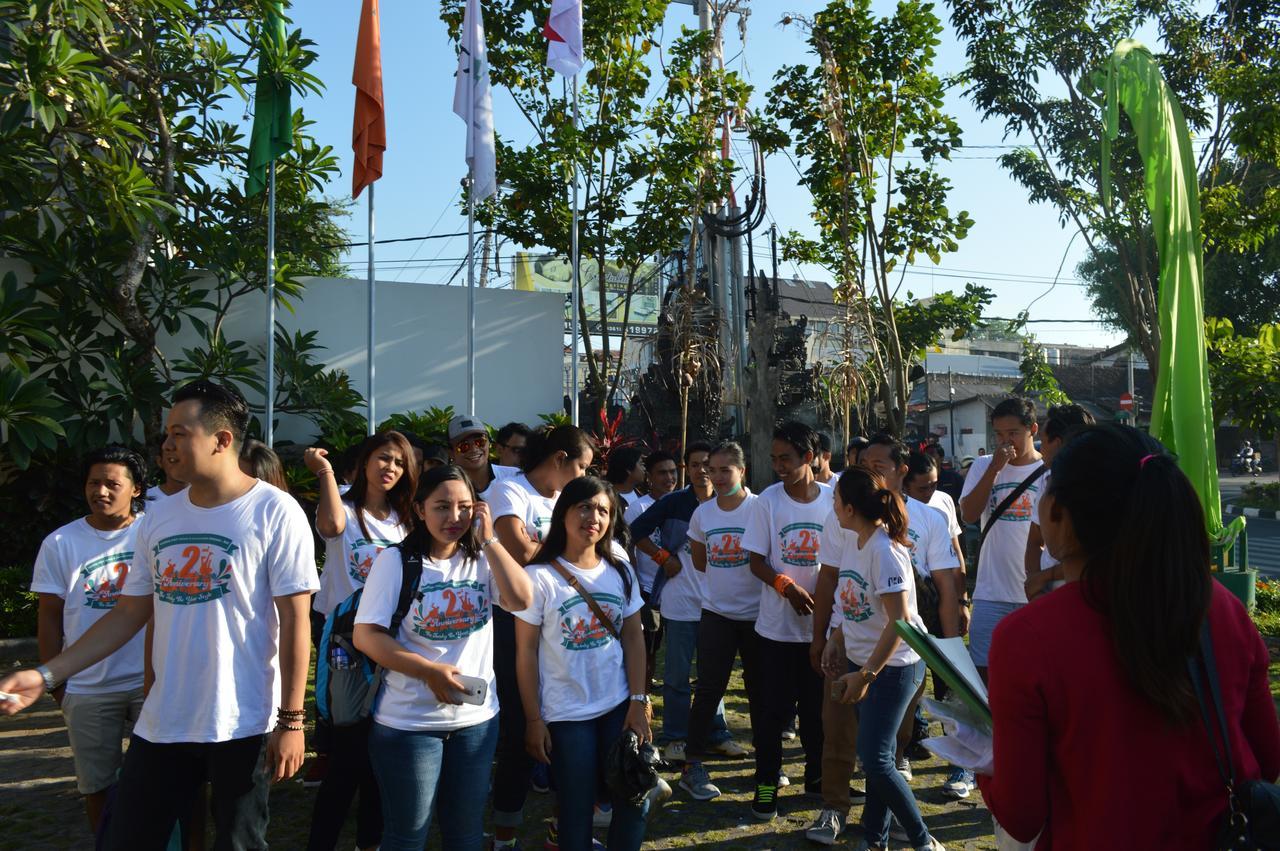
[5,697]
[476,692]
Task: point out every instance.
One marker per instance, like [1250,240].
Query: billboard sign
[553,273]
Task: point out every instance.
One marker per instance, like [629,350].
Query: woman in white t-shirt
[429,749]
[581,666]
[79,574]
[877,588]
[522,506]
[375,513]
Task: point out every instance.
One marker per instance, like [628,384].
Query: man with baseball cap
[469,449]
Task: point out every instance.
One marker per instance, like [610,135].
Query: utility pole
[1132,395]
[951,411]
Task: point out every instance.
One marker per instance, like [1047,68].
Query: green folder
[948,658]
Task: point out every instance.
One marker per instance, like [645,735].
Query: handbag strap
[601,615]
[1226,769]
[1009,500]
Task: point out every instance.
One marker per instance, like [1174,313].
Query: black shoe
[857,793]
[918,752]
[813,787]
[764,805]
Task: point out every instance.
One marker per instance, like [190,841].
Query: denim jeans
[511,777]
[578,751]
[421,771]
[879,715]
[681,641]
[160,781]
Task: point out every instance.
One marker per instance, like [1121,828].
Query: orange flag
[369,129]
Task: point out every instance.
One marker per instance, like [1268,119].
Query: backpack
[347,681]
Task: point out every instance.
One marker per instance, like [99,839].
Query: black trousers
[350,771]
[159,782]
[511,779]
[788,686]
[719,641]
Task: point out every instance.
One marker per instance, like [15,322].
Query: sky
[1015,248]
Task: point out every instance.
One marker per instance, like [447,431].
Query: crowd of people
[490,616]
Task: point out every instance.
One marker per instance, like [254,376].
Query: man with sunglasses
[511,440]
[469,449]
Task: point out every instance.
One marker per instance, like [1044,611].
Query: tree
[1038,379]
[1031,66]
[871,97]
[1244,376]
[646,149]
[123,181]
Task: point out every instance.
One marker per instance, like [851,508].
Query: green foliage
[432,425]
[1266,612]
[1031,67]
[858,117]
[922,324]
[19,607]
[1244,375]
[1038,380]
[555,418]
[1259,495]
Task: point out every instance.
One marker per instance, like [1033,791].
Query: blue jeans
[420,771]
[879,715]
[986,614]
[578,751]
[681,642]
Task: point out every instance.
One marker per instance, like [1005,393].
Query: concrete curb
[1261,513]
[19,650]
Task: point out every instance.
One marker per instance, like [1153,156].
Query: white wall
[421,346]
[971,414]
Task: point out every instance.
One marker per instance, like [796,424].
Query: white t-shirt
[1001,569]
[450,623]
[682,595]
[154,494]
[499,473]
[788,534]
[1046,559]
[646,568]
[729,587]
[930,538]
[517,497]
[87,568]
[880,567]
[348,557]
[213,573]
[944,503]
[582,673]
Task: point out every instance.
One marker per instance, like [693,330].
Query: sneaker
[493,844]
[867,846]
[813,787]
[659,793]
[826,828]
[552,842]
[960,783]
[857,793]
[934,845]
[602,816]
[904,768]
[917,751]
[783,780]
[764,805]
[540,777]
[789,733]
[674,752]
[316,773]
[729,747]
[695,780]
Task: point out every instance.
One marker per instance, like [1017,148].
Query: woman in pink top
[1099,740]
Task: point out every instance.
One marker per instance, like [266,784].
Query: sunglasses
[478,442]
[519,450]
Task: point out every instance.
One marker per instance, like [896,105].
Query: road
[1264,535]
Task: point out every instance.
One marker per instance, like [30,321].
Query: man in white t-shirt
[170,485]
[1012,470]
[226,568]
[1063,423]
[469,449]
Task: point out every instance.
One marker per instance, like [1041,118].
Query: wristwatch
[641,698]
[868,675]
[50,681]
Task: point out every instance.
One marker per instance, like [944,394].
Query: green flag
[1181,413]
[272,114]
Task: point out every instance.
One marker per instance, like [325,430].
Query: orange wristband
[781,583]
[661,556]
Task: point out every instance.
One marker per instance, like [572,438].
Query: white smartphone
[5,697]
[476,692]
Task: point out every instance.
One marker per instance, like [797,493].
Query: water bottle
[338,658]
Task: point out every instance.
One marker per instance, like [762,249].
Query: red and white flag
[564,37]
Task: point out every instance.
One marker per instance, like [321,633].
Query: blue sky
[1015,248]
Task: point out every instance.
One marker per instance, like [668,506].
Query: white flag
[473,103]
[564,37]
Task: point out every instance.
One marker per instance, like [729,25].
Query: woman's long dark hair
[1146,555]
[400,497]
[418,541]
[545,442]
[871,497]
[576,492]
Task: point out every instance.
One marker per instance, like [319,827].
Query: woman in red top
[1099,741]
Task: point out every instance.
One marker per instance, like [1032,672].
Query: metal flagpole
[577,283]
[471,294]
[271,305]
[369,350]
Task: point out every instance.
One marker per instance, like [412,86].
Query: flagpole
[573,259]
[471,294]
[369,349]
[271,305]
